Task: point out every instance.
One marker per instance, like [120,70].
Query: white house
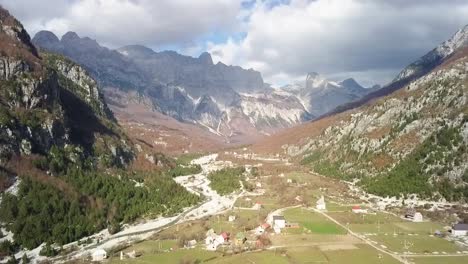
[417,217]
[460,230]
[99,255]
[257,206]
[213,240]
[279,221]
[320,205]
[262,228]
[231,218]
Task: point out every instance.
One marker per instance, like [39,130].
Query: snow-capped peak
[315,80]
[460,39]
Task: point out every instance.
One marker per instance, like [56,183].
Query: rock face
[320,95]
[435,57]
[48,101]
[447,50]
[413,141]
[226,100]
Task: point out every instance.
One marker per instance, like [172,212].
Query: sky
[369,40]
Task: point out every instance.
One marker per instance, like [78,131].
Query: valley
[337,233]
[131,153]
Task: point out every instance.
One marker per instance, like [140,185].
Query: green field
[416,243]
[311,221]
[360,254]
[440,260]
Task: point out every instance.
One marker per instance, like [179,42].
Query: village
[285,215]
[311,219]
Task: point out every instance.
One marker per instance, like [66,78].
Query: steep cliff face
[447,50]
[47,100]
[191,90]
[320,96]
[413,141]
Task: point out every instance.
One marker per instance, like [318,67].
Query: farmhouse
[257,206]
[417,217]
[99,255]
[213,240]
[279,221]
[320,205]
[460,230]
[358,210]
[231,218]
[262,228]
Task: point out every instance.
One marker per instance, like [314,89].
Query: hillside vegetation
[414,141]
[59,139]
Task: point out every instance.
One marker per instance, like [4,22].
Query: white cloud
[372,39]
[121,22]
[284,39]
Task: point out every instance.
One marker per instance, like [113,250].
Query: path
[199,184]
[395,256]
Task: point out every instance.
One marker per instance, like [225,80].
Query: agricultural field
[311,222]
[440,260]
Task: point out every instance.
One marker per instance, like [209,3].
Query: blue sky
[370,40]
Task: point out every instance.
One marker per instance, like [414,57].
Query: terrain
[67,169]
[135,152]
[410,142]
[230,102]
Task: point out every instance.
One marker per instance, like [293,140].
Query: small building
[257,206]
[258,184]
[277,230]
[320,205]
[191,244]
[231,218]
[225,236]
[460,230]
[279,221]
[289,181]
[418,217]
[262,228]
[213,241]
[358,210]
[99,255]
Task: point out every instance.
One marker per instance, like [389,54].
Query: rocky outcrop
[413,141]
[319,95]
[189,89]
[49,101]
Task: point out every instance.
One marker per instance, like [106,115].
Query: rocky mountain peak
[205,58]
[435,57]
[46,36]
[315,80]
[70,36]
[351,84]
[457,41]
[312,76]
[15,32]
[136,51]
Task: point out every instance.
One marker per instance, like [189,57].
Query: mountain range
[408,138]
[233,103]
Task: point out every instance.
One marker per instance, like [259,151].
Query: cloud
[372,39]
[284,39]
[121,22]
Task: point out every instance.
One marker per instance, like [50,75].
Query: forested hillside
[67,156]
